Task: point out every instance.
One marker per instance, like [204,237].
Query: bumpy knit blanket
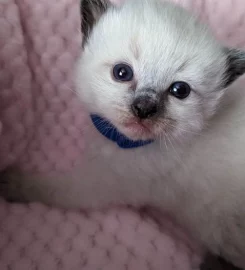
[41,131]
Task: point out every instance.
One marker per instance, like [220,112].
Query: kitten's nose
[144,107]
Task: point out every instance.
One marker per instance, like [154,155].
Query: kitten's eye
[123,73]
[180,90]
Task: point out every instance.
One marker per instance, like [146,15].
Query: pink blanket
[41,129]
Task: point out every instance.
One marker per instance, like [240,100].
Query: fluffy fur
[195,167]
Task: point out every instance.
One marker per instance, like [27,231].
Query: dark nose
[144,107]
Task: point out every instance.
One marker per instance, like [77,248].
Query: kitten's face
[152,70]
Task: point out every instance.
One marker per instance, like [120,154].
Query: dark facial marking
[235,65]
[91,12]
[145,104]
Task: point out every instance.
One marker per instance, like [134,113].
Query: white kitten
[155,80]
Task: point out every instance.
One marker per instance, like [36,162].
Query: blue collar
[111,133]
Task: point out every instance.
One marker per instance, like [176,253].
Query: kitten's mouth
[134,125]
[137,130]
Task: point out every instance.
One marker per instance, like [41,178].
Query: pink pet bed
[41,129]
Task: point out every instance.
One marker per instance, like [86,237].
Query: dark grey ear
[235,65]
[91,11]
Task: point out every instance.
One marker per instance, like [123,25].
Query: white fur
[195,168]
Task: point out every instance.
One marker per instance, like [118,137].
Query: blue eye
[123,73]
[180,90]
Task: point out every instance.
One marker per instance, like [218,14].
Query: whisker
[175,151]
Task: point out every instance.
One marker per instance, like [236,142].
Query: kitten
[164,131]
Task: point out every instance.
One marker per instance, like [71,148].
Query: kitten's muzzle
[145,106]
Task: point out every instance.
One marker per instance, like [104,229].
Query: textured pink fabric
[41,117]
[41,129]
[41,238]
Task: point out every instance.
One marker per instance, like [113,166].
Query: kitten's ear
[91,11]
[235,65]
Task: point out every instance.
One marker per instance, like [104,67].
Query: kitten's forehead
[150,27]
[160,40]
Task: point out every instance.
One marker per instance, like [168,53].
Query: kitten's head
[151,68]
